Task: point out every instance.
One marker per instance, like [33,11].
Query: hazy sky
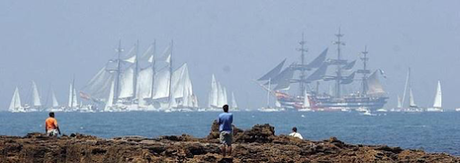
[53,41]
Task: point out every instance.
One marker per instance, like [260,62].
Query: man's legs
[223,149]
[229,149]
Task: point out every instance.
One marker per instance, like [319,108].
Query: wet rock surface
[258,144]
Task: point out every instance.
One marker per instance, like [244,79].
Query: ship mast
[170,74]
[153,66]
[136,72]
[339,63]
[303,50]
[117,80]
[364,71]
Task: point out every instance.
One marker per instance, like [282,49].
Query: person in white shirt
[295,133]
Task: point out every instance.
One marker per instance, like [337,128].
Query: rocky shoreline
[258,144]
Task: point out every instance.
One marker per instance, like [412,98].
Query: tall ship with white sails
[141,82]
[303,78]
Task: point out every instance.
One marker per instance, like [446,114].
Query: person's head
[225,107]
[294,129]
[51,114]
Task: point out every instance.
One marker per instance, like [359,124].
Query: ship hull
[327,103]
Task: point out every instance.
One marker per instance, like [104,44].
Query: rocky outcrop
[258,144]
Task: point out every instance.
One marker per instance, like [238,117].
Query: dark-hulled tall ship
[299,86]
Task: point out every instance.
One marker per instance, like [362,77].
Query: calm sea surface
[433,132]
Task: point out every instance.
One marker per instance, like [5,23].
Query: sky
[54,41]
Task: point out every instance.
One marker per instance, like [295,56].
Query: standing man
[225,128]
[51,126]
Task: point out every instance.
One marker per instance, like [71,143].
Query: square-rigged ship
[337,72]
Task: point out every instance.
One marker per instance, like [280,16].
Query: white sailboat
[36,102]
[412,106]
[73,103]
[306,102]
[234,104]
[217,96]
[55,104]
[437,106]
[15,105]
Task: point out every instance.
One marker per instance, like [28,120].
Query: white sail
[161,85]
[438,97]
[127,84]
[109,102]
[55,101]
[70,96]
[15,104]
[277,104]
[181,82]
[213,94]
[234,104]
[399,102]
[306,101]
[225,96]
[74,97]
[195,101]
[411,99]
[99,86]
[144,84]
[220,95]
[35,95]
[374,86]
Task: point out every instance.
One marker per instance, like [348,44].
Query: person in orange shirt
[51,126]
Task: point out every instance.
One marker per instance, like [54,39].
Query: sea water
[432,132]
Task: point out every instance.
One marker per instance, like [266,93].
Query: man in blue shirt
[225,128]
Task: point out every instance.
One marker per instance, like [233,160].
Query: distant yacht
[306,103]
[437,106]
[217,96]
[55,104]
[412,106]
[15,105]
[36,102]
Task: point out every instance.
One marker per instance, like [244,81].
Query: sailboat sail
[74,97]
[438,97]
[161,85]
[55,101]
[70,96]
[411,99]
[306,101]
[109,102]
[373,82]
[15,104]
[126,84]
[234,104]
[399,102]
[274,72]
[213,94]
[144,84]
[36,95]
[99,86]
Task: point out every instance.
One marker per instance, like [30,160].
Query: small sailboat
[437,106]
[73,103]
[55,104]
[36,102]
[234,104]
[306,106]
[15,105]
